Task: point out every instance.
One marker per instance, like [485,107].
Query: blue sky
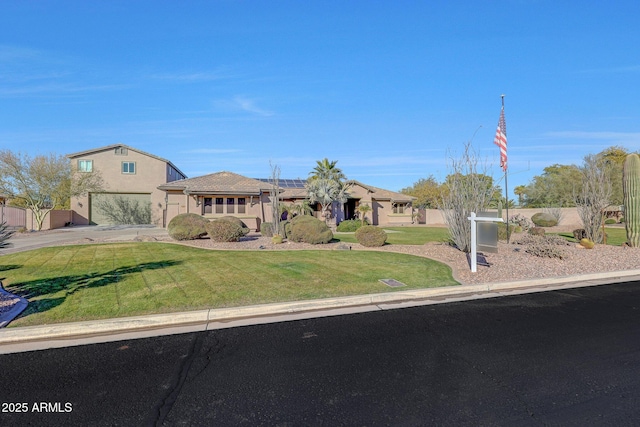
[390,89]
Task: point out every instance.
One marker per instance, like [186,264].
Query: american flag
[501,140]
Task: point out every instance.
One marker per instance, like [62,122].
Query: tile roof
[233,183]
[220,182]
[382,194]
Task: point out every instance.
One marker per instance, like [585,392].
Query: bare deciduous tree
[468,190]
[593,196]
[43,182]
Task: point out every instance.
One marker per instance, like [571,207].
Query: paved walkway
[37,240]
[68,334]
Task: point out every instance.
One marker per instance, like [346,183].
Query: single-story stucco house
[227,193]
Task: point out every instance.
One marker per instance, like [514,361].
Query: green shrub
[502,230]
[187,226]
[371,236]
[222,230]
[537,231]
[276,239]
[543,246]
[621,219]
[307,229]
[265,229]
[543,219]
[350,225]
[579,234]
[236,221]
[610,221]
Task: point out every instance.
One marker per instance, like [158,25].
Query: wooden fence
[13,216]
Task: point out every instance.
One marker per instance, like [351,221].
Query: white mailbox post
[474,237]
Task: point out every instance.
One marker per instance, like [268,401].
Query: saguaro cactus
[631,199]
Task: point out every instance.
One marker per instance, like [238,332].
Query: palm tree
[326,192]
[289,208]
[323,191]
[326,169]
[5,235]
[519,191]
[363,209]
[327,184]
[304,208]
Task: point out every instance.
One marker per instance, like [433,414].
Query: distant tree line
[558,186]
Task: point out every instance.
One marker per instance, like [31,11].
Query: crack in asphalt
[161,411]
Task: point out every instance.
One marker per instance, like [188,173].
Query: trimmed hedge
[265,229]
[502,230]
[236,221]
[543,219]
[222,230]
[307,229]
[350,225]
[187,226]
[371,236]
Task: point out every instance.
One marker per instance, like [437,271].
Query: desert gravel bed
[509,264]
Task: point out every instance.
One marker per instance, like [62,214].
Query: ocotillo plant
[631,198]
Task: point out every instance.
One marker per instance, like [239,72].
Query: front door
[350,208]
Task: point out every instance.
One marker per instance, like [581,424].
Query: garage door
[120,208]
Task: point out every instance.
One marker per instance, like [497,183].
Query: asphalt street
[569,357]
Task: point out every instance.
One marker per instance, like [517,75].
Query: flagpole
[506,186]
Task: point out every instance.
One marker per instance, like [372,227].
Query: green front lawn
[74,283]
[405,235]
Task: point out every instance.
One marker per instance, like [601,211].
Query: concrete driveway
[34,240]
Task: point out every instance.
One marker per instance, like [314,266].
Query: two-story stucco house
[131,178]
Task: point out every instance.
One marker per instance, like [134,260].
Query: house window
[121,151]
[230,204]
[241,204]
[219,205]
[129,167]
[85,165]
[208,202]
[398,208]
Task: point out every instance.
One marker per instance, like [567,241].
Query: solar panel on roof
[286,183]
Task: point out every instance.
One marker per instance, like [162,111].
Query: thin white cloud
[613,70]
[213,151]
[626,139]
[594,135]
[241,104]
[193,77]
[57,88]
[9,53]
[249,105]
[393,161]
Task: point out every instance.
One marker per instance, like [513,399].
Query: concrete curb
[202,320]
